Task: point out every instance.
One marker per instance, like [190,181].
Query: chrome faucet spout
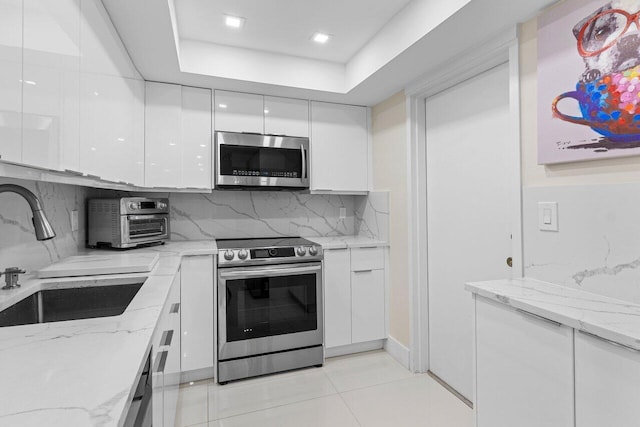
[44,230]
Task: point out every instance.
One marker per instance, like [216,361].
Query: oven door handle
[267,272]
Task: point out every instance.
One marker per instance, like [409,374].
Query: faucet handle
[11,277]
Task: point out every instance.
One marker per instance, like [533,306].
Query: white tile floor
[368,389]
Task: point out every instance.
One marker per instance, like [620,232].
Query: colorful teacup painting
[589,81]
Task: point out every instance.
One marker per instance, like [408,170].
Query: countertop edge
[621,327]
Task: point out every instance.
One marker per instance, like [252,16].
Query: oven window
[144,227]
[237,160]
[262,307]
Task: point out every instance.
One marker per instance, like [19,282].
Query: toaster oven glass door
[147,227]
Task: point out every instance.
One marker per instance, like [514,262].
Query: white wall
[597,247]
[390,173]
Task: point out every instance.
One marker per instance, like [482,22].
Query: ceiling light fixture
[233,21]
[320,38]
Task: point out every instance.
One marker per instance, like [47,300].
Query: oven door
[261,160]
[269,309]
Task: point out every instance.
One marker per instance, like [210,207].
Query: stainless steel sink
[84,301]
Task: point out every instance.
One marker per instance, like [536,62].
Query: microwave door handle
[303,154]
[267,272]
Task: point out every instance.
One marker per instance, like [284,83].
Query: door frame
[500,50]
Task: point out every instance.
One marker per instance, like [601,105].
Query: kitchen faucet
[44,231]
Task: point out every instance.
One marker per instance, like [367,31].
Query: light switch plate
[548,216]
[343,213]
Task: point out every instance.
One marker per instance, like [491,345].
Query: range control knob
[133,205]
[313,251]
[162,205]
[228,255]
[301,251]
[242,254]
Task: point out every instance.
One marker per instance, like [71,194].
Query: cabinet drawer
[367,259]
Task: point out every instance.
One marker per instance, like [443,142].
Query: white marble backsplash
[236,214]
[597,247]
[372,215]
[18,244]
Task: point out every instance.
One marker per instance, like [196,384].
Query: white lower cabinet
[165,359]
[354,282]
[524,369]
[197,314]
[367,305]
[607,383]
[337,298]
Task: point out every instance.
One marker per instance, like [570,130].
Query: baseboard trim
[353,348]
[451,389]
[197,375]
[398,351]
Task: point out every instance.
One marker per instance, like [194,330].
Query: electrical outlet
[343,213]
[74,220]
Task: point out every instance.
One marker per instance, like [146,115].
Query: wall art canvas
[589,81]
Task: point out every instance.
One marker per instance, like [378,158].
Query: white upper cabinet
[163,129]
[111,128]
[250,113]
[285,116]
[239,112]
[177,136]
[11,80]
[50,75]
[339,148]
[196,137]
[111,103]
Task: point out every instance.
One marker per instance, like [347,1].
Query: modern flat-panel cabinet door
[339,147]
[285,116]
[238,112]
[607,383]
[178,136]
[196,137]
[163,135]
[337,297]
[197,313]
[367,305]
[11,80]
[50,76]
[524,372]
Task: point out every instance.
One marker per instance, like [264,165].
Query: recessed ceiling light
[223,106]
[233,21]
[320,37]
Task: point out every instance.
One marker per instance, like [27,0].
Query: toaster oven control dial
[133,206]
[228,255]
[162,205]
[242,254]
[301,251]
[313,251]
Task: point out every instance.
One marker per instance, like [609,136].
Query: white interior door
[470,164]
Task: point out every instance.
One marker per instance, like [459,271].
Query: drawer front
[367,259]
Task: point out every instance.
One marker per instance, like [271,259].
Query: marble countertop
[608,318]
[83,372]
[343,242]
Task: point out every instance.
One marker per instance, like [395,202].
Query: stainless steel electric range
[269,306]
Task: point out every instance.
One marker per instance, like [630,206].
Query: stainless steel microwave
[247,160]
